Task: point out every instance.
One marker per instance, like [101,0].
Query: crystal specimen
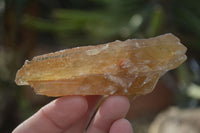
[130,67]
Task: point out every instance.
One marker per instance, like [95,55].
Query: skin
[71,114]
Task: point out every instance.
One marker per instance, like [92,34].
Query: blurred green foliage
[29,25]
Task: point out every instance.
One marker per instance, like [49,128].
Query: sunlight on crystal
[130,67]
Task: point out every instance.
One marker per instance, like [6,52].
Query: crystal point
[130,67]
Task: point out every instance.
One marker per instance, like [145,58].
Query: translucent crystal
[130,67]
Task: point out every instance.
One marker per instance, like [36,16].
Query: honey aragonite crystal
[130,67]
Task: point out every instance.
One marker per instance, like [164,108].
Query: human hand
[71,114]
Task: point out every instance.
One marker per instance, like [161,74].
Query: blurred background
[33,27]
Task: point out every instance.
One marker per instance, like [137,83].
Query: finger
[121,126]
[113,108]
[56,116]
[80,126]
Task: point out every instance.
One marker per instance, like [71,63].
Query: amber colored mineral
[130,67]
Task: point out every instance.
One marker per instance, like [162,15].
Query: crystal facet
[130,67]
